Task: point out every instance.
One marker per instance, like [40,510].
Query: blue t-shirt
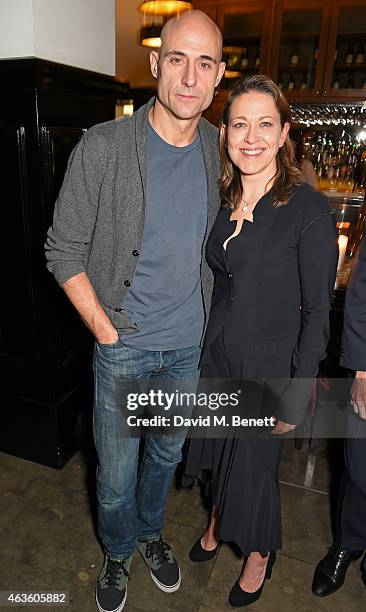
[165,298]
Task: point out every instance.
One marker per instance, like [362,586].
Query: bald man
[129,230]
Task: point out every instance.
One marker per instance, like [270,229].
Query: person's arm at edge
[354,339]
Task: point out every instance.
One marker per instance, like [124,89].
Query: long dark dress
[269,319]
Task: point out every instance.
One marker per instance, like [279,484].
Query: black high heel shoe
[240,598]
[198,554]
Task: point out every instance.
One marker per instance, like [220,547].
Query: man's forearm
[82,295]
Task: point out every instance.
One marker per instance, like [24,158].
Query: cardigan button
[135,253]
[127,283]
[230,275]
[118,310]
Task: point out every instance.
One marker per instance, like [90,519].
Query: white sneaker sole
[118,609]
[163,587]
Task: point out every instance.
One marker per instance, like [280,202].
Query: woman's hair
[288,174]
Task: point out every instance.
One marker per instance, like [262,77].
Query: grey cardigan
[99,215]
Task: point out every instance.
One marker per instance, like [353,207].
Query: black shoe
[331,571]
[111,590]
[164,568]
[240,598]
[198,554]
[363,570]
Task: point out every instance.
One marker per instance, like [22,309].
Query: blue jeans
[131,497]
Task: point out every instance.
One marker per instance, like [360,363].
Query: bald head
[191,21]
[187,68]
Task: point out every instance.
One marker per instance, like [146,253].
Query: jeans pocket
[110,345]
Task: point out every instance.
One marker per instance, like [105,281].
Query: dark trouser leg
[352,518]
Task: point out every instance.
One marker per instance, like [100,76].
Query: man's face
[188,68]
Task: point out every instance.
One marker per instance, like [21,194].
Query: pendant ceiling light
[165,7]
[150,36]
[155,14]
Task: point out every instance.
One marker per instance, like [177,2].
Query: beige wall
[78,33]
[16,28]
[132,60]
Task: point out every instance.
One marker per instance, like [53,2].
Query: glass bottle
[295,56]
[360,54]
[349,54]
[257,60]
[349,84]
[291,81]
[303,83]
[335,84]
[244,62]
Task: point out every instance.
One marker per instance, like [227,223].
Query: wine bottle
[316,54]
[335,84]
[233,60]
[303,83]
[291,82]
[244,58]
[349,54]
[349,84]
[257,57]
[295,56]
[360,55]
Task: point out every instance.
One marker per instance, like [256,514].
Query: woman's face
[254,134]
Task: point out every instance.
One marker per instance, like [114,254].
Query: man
[350,539]
[130,225]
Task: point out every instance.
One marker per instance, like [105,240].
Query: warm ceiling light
[165,7]
[150,36]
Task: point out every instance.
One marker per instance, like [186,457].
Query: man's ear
[220,73]
[154,63]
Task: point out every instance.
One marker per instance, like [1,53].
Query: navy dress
[269,319]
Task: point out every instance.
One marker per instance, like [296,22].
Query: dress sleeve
[353,355]
[317,264]
[76,207]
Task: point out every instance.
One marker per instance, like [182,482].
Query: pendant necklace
[248,204]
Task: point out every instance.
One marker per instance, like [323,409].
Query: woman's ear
[284,134]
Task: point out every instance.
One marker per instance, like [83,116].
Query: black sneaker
[111,589]
[164,569]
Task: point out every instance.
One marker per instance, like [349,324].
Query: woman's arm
[317,262]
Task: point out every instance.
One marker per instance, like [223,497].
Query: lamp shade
[150,36]
[165,7]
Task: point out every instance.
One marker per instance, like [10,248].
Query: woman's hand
[282,428]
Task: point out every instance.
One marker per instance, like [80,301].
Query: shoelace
[336,553]
[159,549]
[113,572]
[335,550]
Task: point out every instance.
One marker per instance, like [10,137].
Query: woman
[273,252]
